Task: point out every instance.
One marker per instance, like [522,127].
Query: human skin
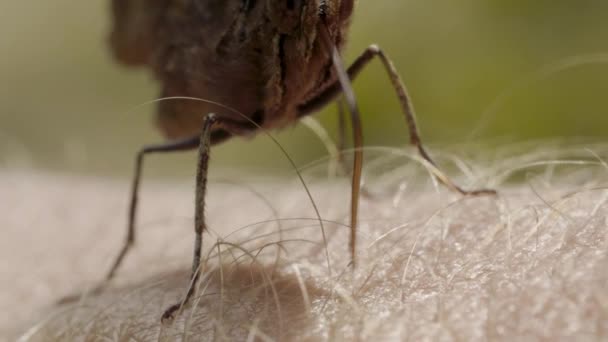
[528,264]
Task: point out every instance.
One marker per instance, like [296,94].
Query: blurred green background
[536,69]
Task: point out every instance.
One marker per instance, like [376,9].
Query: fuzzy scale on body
[260,57]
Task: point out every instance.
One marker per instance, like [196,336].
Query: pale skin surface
[530,264]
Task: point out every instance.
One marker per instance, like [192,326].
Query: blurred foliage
[477,70]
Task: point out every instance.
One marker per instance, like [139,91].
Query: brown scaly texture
[261,57]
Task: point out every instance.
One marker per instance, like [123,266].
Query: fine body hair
[528,264]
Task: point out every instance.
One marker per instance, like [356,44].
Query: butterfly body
[252,65]
[263,58]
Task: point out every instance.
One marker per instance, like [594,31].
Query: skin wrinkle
[527,265]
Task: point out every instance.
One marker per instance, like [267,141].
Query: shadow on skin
[231,303]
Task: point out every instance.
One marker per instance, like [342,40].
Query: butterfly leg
[353,71]
[199,215]
[342,86]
